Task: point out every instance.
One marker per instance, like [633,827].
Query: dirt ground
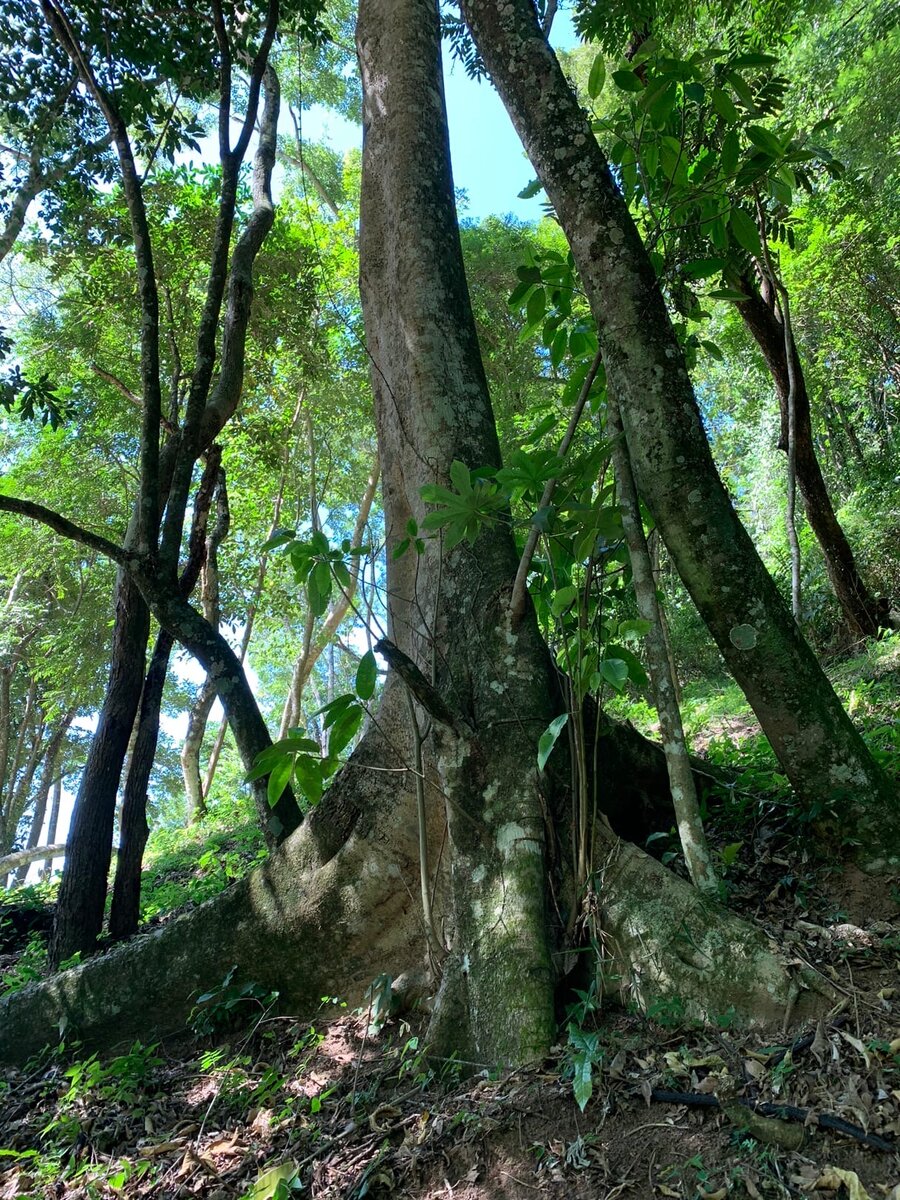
[335,1108]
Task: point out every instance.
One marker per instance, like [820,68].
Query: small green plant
[30,966]
[220,1007]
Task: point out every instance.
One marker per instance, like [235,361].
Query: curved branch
[68,529]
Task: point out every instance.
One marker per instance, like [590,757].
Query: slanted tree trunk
[857,602]
[333,906]
[199,714]
[820,751]
[133,827]
[82,890]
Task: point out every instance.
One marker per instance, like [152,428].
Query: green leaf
[460,477]
[627,81]
[519,294]
[597,77]
[731,294]
[268,1183]
[635,667]
[635,628]
[745,231]
[548,739]
[343,730]
[702,268]
[366,676]
[615,672]
[530,189]
[279,538]
[563,599]
[536,306]
[695,92]
[558,347]
[724,106]
[309,775]
[765,140]
[279,779]
[319,588]
[731,152]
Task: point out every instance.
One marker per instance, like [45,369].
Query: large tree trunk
[333,906]
[819,749]
[857,602]
[82,891]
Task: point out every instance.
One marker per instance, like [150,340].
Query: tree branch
[68,529]
[422,690]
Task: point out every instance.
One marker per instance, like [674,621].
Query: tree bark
[133,827]
[857,602]
[819,749]
[82,890]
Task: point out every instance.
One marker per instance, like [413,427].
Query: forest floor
[256,1104]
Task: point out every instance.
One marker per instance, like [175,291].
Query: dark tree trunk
[819,749]
[227,676]
[82,892]
[134,830]
[857,602]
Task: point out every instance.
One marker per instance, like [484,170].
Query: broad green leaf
[343,730]
[745,231]
[597,77]
[536,306]
[279,538]
[279,779]
[695,91]
[615,672]
[519,294]
[366,676]
[627,81]
[731,152]
[309,775]
[727,294]
[702,268]
[271,1182]
[563,599]
[633,664]
[548,739]
[460,477]
[724,106]
[635,628]
[765,140]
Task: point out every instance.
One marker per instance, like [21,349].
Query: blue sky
[488,161]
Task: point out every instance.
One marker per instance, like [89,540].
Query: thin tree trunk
[133,830]
[681,777]
[819,749]
[52,825]
[257,594]
[48,778]
[312,650]
[857,603]
[199,714]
